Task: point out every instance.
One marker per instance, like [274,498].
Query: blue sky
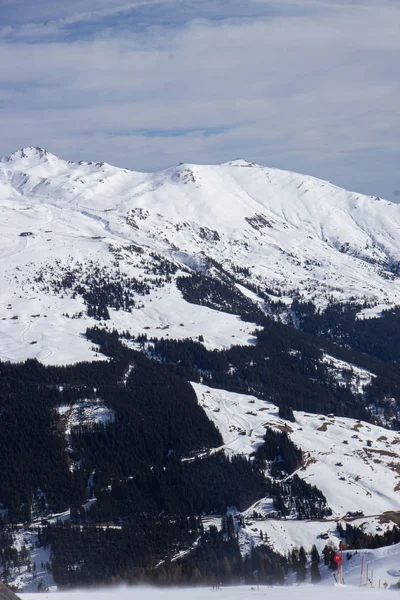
[307,85]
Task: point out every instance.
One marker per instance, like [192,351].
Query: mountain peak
[239,162]
[30,156]
[27,152]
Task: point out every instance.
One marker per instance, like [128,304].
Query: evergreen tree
[314,570]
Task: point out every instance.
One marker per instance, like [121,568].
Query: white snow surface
[291,231]
[84,413]
[347,373]
[284,535]
[247,592]
[28,579]
[355,464]
[383,564]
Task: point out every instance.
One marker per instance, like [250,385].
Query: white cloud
[315,92]
[53,27]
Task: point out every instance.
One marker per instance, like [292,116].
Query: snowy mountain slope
[28,579]
[345,373]
[270,228]
[355,464]
[89,243]
[383,565]
[285,535]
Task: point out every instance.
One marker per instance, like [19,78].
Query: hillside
[6,594]
[352,462]
[65,226]
[200,373]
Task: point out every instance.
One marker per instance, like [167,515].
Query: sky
[311,86]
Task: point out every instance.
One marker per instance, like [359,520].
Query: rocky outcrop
[6,593]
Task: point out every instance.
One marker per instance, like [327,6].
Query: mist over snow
[229,593]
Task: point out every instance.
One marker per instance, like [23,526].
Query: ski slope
[383,564]
[304,592]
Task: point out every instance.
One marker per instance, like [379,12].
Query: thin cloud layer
[307,85]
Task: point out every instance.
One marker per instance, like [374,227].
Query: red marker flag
[337,558]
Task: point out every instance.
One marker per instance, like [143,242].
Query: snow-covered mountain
[272,230]
[88,243]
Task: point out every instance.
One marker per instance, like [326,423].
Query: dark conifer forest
[138,484]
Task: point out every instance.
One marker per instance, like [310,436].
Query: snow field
[290,230]
[85,412]
[355,464]
[25,579]
[304,592]
[344,372]
[383,564]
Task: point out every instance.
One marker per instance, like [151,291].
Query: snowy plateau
[66,227]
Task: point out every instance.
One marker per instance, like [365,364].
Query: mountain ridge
[277,234]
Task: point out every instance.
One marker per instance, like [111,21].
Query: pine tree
[315,574]
[326,552]
[314,571]
[300,566]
